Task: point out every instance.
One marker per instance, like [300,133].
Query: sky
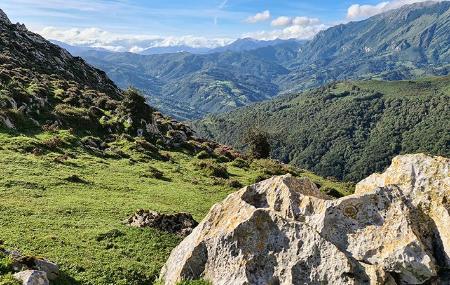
[133,25]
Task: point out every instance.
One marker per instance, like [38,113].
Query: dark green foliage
[154,173]
[203,155]
[235,184]
[5,264]
[346,130]
[112,234]
[331,192]
[258,144]
[241,163]
[214,169]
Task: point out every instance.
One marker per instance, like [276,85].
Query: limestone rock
[180,223]
[285,231]
[50,268]
[32,277]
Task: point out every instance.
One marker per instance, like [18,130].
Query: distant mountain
[244,44]
[175,49]
[247,44]
[406,43]
[346,130]
[76,50]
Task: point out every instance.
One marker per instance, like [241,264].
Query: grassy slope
[45,215]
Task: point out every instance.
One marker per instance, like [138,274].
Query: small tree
[258,144]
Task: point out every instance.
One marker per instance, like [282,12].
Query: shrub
[261,177]
[240,163]
[258,144]
[235,184]
[214,169]
[331,192]
[53,143]
[223,158]
[203,155]
[271,167]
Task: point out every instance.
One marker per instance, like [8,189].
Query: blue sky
[213,20]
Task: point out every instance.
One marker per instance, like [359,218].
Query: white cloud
[305,21]
[358,11]
[98,38]
[290,32]
[289,28]
[297,21]
[282,21]
[259,17]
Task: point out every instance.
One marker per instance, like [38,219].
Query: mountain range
[406,43]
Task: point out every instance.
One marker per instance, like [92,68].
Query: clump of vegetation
[153,172]
[240,163]
[214,169]
[258,144]
[6,271]
[112,234]
[235,183]
[203,155]
[75,179]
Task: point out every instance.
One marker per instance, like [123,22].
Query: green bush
[203,155]
[240,163]
[214,169]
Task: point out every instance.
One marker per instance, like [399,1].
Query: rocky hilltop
[393,230]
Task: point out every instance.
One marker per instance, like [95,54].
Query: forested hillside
[346,130]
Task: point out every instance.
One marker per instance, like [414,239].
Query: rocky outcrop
[181,224]
[393,230]
[4,18]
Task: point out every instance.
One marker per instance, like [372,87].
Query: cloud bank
[98,38]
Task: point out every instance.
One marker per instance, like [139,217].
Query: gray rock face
[4,18]
[32,277]
[393,230]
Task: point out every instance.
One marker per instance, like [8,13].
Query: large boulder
[285,231]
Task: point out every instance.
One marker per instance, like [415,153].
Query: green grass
[44,214]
